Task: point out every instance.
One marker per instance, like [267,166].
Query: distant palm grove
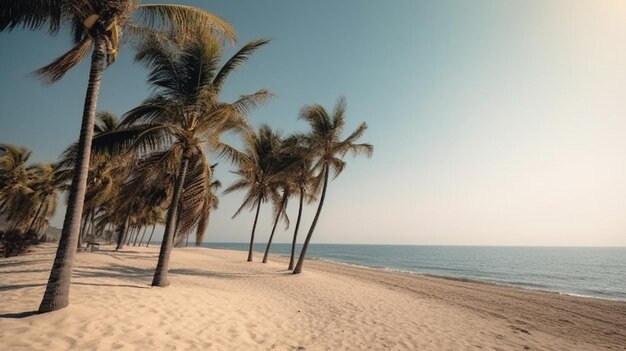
[154,165]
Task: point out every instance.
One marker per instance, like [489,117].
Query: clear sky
[494,122]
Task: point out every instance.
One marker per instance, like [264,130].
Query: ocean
[598,272]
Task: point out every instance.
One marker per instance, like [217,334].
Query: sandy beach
[217,301]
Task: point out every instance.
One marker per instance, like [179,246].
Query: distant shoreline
[345,254]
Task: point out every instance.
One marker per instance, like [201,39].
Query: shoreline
[219,301]
[518,285]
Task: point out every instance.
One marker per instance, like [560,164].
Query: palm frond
[59,67]
[183,21]
[106,122]
[339,115]
[236,61]
[239,185]
[32,14]
[156,109]
[141,138]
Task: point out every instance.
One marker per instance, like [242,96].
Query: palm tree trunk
[160,275]
[122,237]
[187,240]
[57,291]
[81,233]
[92,222]
[298,268]
[256,217]
[142,235]
[137,236]
[295,232]
[32,223]
[130,234]
[269,242]
[150,238]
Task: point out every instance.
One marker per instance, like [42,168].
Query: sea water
[586,271]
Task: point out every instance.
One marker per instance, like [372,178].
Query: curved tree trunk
[131,232]
[32,223]
[269,242]
[145,229]
[57,291]
[298,268]
[137,237]
[83,227]
[150,238]
[160,275]
[92,223]
[256,217]
[295,232]
[122,237]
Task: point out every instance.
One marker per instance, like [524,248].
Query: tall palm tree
[285,179]
[325,139]
[256,170]
[181,120]
[95,24]
[302,178]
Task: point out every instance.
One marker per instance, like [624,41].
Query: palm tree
[285,178]
[280,209]
[49,180]
[325,140]
[181,120]
[156,217]
[97,24]
[302,177]
[107,171]
[256,173]
[28,193]
[15,177]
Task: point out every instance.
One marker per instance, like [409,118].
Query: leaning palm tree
[28,193]
[280,210]
[325,140]
[256,170]
[15,177]
[302,177]
[285,179]
[181,121]
[50,179]
[95,24]
[156,217]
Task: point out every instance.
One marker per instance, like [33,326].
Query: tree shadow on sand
[113,271]
[114,285]
[206,273]
[19,286]
[18,315]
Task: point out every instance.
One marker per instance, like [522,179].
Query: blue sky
[494,122]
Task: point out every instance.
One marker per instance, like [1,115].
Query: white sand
[217,301]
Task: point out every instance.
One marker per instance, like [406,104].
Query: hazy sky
[494,122]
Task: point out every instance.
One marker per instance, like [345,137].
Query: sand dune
[219,302]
